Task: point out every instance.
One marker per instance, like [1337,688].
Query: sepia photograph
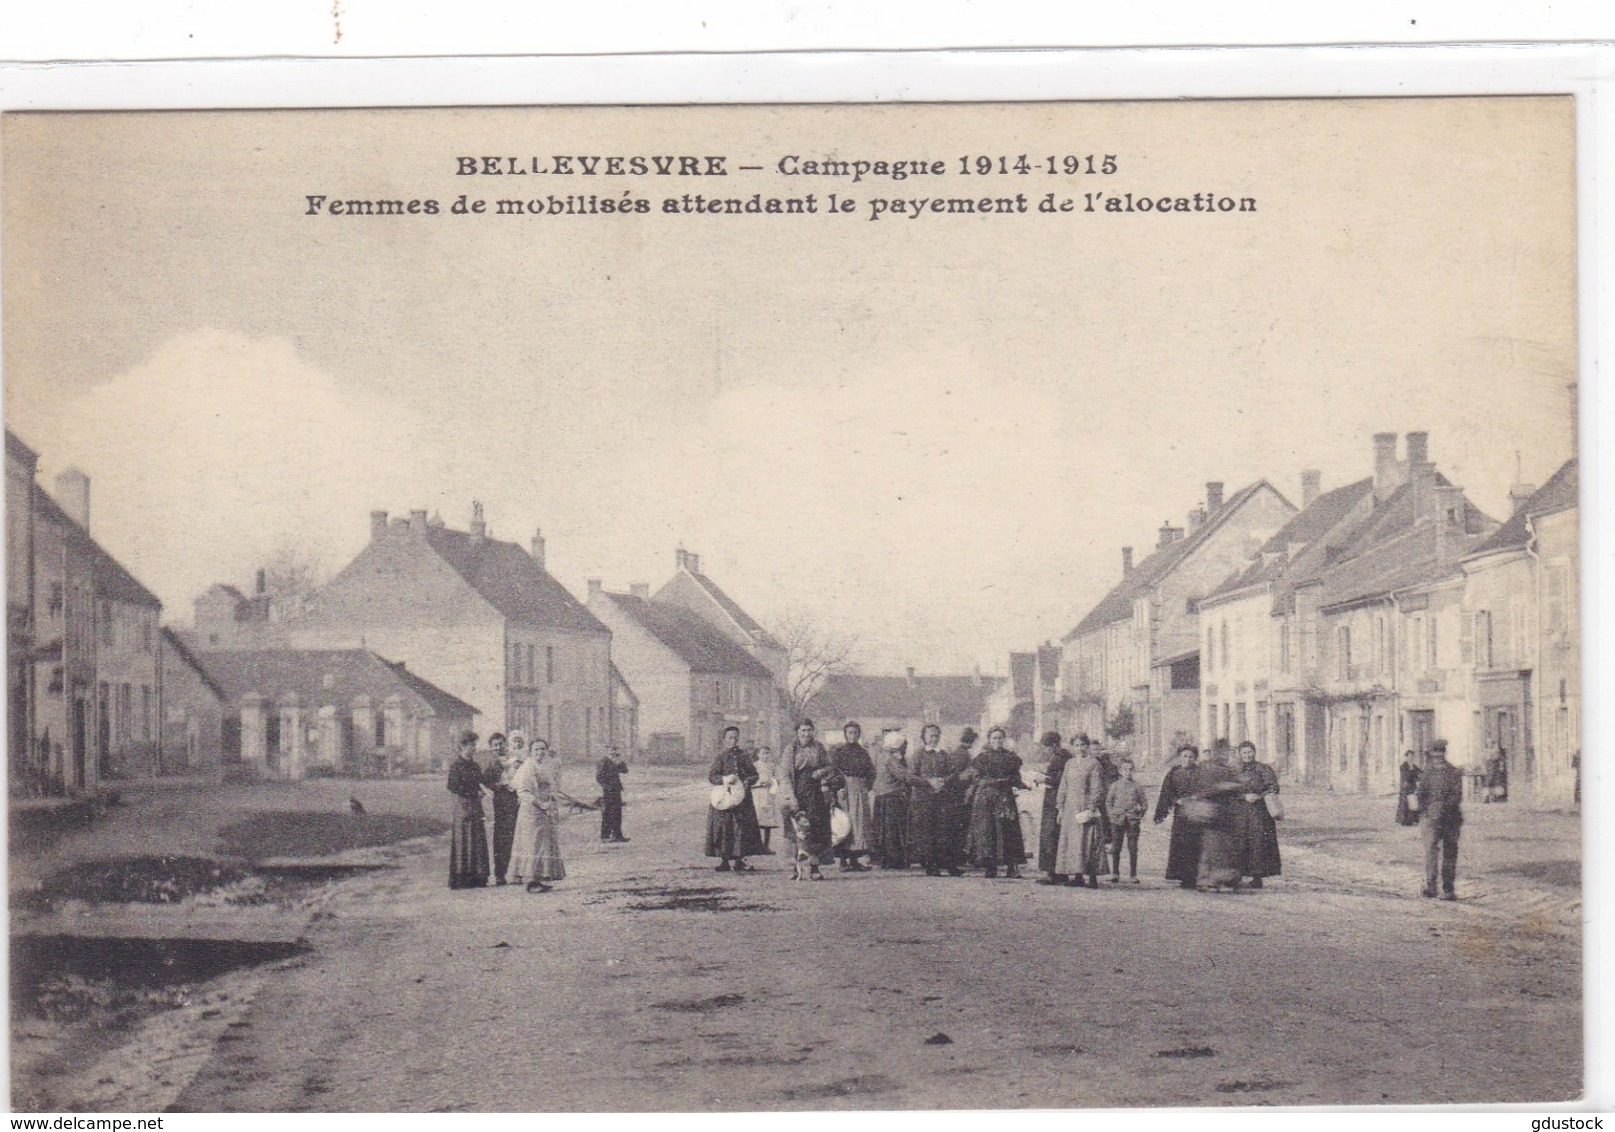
[694,608]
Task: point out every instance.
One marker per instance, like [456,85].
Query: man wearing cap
[1048,830]
[1441,795]
[468,836]
[608,773]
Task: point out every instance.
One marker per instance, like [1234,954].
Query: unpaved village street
[648,982]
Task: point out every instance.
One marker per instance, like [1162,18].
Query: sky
[933,433]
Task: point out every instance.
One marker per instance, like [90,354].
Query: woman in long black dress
[995,822]
[1407,785]
[1258,833]
[1183,846]
[468,836]
[733,834]
[1048,830]
[807,779]
[1214,788]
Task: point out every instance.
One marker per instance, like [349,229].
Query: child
[1126,805]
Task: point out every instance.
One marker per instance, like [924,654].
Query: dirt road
[648,982]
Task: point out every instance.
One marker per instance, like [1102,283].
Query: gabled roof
[1394,564]
[183,651]
[1306,527]
[321,676]
[695,642]
[17,450]
[508,578]
[112,581]
[1117,605]
[732,608]
[1560,492]
[958,700]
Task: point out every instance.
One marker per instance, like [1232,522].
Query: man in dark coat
[1048,830]
[608,773]
[1183,846]
[1441,797]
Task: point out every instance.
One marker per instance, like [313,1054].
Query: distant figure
[608,774]
[468,837]
[355,806]
[1048,831]
[1497,776]
[1441,798]
[1253,821]
[765,796]
[1407,790]
[1127,804]
[732,833]
[1183,847]
[890,791]
[857,771]
[536,850]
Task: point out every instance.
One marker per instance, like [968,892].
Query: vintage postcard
[765,607]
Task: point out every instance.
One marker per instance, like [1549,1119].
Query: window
[126,713]
[145,712]
[1343,652]
[1211,650]
[1241,724]
[1226,722]
[717,692]
[272,731]
[1415,657]
[380,730]
[1483,639]
[531,667]
[1432,649]
[1284,646]
[108,637]
[512,663]
[549,664]
[549,722]
[1225,644]
[1261,728]
[56,599]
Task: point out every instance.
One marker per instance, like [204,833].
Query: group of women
[943,809]
[525,786]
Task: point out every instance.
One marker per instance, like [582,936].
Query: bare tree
[292,574]
[816,655]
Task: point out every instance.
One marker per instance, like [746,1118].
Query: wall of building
[193,719]
[1558,683]
[658,676]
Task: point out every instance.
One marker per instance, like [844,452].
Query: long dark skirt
[1048,831]
[734,832]
[505,808]
[1258,838]
[955,830]
[927,833]
[811,800]
[1221,856]
[891,831]
[995,830]
[1405,814]
[468,851]
[1183,851]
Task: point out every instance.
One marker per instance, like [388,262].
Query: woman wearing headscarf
[807,781]
[1258,834]
[995,822]
[1213,788]
[536,853]
[468,836]
[1080,853]
[1407,786]
[1183,846]
[857,771]
[891,788]
[732,833]
[1048,830]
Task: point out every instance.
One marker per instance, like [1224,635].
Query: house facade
[194,712]
[689,680]
[478,617]
[906,702]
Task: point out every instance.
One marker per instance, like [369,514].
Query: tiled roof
[304,672]
[695,642]
[112,581]
[16,449]
[958,700]
[1117,605]
[1306,527]
[732,608]
[510,580]
[183,651]
[1392,565]
[1561,491]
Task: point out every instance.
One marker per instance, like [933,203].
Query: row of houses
[427,631]
[1369,620]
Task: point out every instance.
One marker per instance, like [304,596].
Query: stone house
[698,593]
[481,619]
[690,680]
[1010,703]
[906,702]
[194,711]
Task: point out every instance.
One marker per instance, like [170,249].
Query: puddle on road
[687,898]
[701,1005]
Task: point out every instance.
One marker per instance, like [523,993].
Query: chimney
[679,558]
[1385,474]
[1519,495]
[1418,447]
[1213,497]
[538,548]
[479,526]
[1197,518]
[1127,561]
[694,562]
[73,496]
[975,675]
[596,589]
[1450,521]
[1311,486]
[417,523]
[910,671]
[260,583]
[1169,535]
[378,524]
[641,590]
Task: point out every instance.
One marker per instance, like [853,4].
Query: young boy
[1126,805]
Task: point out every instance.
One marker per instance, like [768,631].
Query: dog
[805,866]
